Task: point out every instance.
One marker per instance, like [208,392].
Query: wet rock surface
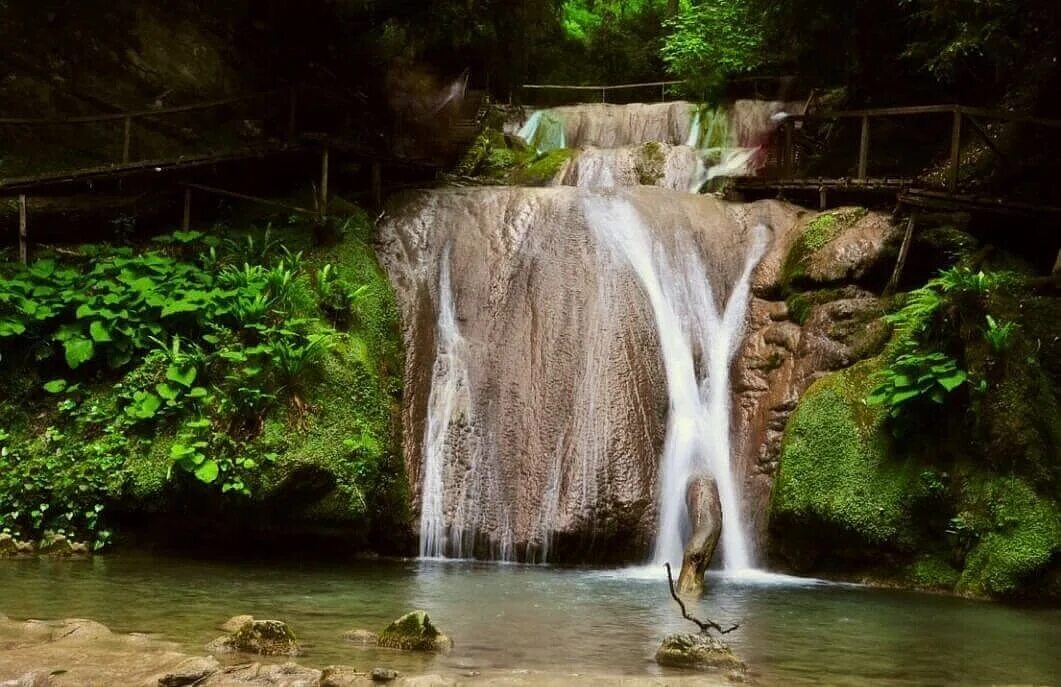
[699,651]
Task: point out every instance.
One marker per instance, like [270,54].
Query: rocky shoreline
[81,652]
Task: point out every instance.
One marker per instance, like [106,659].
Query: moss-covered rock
[842,245]
[1015,534]
[414,632]
[261,637]
[837,467]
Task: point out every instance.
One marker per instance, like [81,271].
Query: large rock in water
[705,513]
[550,401]
[697,650]
[414,632]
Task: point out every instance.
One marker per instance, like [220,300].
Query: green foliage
[177,365]
[710,41]
[999,335]
[913,378]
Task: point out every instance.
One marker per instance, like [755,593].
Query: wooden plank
[875,112]
[253,199]
[377,184]
[158,166]
[955,151]
[23,231]
[292,104]
[1016,117]
[904,248]
[979,129]
[863,148]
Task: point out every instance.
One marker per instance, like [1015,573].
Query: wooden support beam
[23,232]
[253,199]
[955,151]
[186,220]
[823,198]
[863,148]
[324,182]
[897,274]
[127,139]
[789,161]
[377,184]
[979,129]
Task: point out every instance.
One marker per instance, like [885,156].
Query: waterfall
[688,324]
[561,411]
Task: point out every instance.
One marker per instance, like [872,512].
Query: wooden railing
[959,115]
[604,90]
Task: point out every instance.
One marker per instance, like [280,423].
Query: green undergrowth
[937,461]
[224,368]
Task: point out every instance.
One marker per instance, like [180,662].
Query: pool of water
[541,618]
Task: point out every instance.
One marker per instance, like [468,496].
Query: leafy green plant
[999,334]
[914,377]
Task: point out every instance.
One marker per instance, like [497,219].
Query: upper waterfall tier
[675,167]
[533,349]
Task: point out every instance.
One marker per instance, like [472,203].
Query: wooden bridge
[162,142]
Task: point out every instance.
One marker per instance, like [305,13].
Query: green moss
[542,170]
[817,234]
[835,466]
[1017,533]
[931,572]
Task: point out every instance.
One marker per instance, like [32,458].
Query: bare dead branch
[705,626]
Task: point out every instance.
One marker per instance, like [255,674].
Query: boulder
[705,514]
[699,651]
[855,252]
[384,674]
[13,548]
[262,637]
[414,632]
[361,637]
[190,672]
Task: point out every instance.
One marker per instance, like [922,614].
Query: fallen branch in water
[704,626]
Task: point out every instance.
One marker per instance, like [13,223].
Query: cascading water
[688,324]
[539,418]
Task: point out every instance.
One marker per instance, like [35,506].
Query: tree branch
[705,626]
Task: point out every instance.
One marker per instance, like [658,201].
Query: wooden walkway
[795,147]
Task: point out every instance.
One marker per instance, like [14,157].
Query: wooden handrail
[601,88]
[136,114]
[927,109]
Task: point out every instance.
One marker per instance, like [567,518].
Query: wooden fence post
[955,150]
[23,233]
[186,221]
[788,164]
[324,182]
[127,139]
[292,104]
[863,148]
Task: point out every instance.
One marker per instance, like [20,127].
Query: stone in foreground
[190,672]
[699,651]
[414,632]
[384,674]
[261,637]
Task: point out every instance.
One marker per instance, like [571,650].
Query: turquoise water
[563,620]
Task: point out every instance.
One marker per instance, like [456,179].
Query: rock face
[554,413]
[414,632]
[699,651]
[705,513]
[261,637]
